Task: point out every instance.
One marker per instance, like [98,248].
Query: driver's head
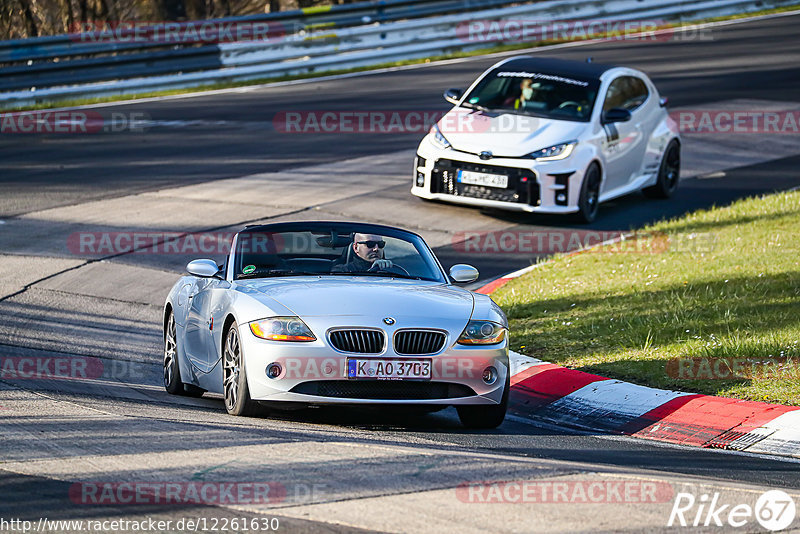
[368,247]
[526,88]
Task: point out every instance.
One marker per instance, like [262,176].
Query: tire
[589,200]
[668,173]
[234,377]
[485,417]
[172,371]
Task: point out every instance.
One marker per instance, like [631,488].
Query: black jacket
[356,265]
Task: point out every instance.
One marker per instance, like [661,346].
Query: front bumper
[536,187]
[315,373]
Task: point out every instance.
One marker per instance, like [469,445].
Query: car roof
[551,65]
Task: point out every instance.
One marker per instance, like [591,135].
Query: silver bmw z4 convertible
[317,313]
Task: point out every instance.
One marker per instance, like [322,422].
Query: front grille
[383,389]
[418,342]
[522,185]
[357,340]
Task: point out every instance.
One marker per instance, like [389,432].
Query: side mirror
[453,95]
[616,115]
[203,268]
[463,273]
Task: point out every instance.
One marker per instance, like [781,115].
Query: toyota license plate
[482,178]
[381,369]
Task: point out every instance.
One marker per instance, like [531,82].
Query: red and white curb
[572,398]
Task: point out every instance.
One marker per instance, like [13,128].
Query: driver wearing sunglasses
[368,250]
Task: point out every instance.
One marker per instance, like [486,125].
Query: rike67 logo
[774,510]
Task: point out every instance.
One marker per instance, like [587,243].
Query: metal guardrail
[335,39]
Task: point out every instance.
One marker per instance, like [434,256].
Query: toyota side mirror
[616,115]
[453,95]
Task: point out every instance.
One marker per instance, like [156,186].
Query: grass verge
[261,81]
[727,288]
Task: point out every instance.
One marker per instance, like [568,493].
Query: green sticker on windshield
[474,100]
[249,269]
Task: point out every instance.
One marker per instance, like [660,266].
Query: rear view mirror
[463,273]
[616,115]
[453,95]
[202,268]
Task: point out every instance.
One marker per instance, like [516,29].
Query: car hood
[367,297]
[505,134]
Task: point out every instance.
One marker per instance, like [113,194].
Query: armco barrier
[315,41]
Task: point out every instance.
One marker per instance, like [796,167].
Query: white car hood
[370,297]
[505,134]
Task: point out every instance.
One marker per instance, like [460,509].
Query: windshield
[548,95]
[289,249]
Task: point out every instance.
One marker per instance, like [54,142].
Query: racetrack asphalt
[57,433]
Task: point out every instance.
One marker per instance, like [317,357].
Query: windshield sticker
[474,100]
[249,269]
[540,76]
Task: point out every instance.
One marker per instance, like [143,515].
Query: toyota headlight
[282,329]
[438,137]
[555,152]
[482,333]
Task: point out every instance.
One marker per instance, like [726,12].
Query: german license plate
[382,369]
[482,178]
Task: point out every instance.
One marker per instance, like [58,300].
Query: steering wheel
[395,266]
[569,103]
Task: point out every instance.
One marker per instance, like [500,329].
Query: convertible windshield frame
[339,235]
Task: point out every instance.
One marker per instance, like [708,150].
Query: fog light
[490,375]
[274,370]
[420,179]
[561,197]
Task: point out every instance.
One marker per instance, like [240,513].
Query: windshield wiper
[275,272]
[475,106]
[383,274]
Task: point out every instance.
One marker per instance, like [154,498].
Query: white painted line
[786,438]
[617,397]
[519,362]
[249,88]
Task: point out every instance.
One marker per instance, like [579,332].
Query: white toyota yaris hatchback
[551,136]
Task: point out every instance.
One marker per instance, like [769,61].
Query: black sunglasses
[372,244]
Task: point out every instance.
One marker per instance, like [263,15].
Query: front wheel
[234,377]
[485,417]
[589,200]
[668,173]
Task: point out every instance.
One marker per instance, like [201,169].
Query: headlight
[282,329]
[482,333]
[555,152]
[438,138]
